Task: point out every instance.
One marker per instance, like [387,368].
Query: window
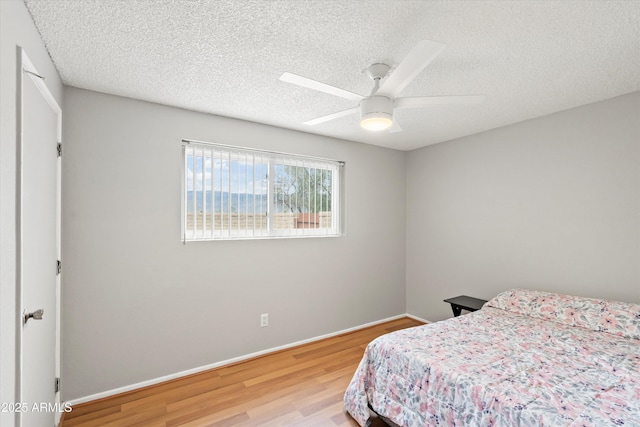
[238,193]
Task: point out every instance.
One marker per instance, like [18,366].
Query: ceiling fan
[376,110]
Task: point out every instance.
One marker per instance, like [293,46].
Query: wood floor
[301,386]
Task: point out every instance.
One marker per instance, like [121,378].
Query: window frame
[272,158]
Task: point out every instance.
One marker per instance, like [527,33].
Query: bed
[527,358]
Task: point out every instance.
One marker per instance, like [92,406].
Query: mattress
[528,358]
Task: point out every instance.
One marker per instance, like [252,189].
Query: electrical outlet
[264,320]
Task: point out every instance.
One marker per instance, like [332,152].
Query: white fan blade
[419,57]
[425,101]
[332,116]
[322,87]
[395,127]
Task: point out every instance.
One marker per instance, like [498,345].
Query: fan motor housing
[376,113]
[376,104]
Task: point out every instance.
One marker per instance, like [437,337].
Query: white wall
[16,29]
[551,203]
[138,304]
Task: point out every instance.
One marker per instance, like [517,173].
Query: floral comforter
[528,358]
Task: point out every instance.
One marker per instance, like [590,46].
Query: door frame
[26,70]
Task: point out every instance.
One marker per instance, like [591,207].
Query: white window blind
[239,193]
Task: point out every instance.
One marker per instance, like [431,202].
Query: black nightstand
[464,302]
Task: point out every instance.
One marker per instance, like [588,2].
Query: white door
[39,250]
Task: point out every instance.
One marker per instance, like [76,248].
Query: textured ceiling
[530,58]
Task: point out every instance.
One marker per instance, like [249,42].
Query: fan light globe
[376,113]
[376,121]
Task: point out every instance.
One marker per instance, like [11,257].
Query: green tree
[302,189]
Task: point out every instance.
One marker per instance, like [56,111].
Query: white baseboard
[165,378]
[419,319]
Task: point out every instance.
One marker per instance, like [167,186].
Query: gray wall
[551,203]
[138,304]
[16,28]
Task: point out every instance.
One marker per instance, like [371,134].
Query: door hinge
[59,149]
[58,267]
[57,384]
